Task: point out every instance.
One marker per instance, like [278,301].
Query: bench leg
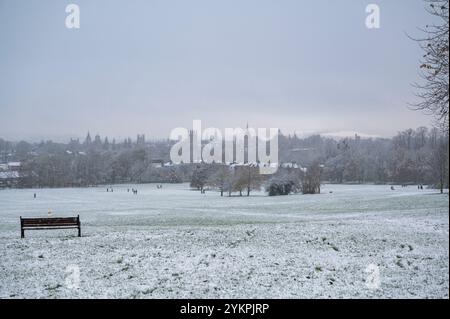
[22,233]
[79,231]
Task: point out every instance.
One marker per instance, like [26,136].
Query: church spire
[88,139]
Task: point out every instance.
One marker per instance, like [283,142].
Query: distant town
[411,157]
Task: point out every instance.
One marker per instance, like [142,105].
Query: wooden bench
[49,223]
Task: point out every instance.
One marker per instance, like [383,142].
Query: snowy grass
[176,243]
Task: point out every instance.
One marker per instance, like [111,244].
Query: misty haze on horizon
[146,67]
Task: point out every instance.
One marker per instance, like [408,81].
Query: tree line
[417,156]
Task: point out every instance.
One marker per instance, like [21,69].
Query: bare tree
[221,178]
[253,178]
[312,179]
[433,91]
[439,164]
[240,180]
[200,177]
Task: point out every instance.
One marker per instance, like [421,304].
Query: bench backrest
[49,222]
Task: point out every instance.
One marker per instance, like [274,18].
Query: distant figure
[392,188]
[128,190]
[421,186]
[49,213]
[34,195]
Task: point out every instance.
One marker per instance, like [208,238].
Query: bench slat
[49,228]
[49,225]
[49,220]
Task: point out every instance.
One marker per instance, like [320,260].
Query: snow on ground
[356,242]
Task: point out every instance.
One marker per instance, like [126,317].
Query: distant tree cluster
[93,162]
[227,179]
[411,157]
[242,179]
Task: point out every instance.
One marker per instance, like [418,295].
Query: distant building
[140,139]
[9,174]
[14,165]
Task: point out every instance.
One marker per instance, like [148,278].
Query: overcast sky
[150,66]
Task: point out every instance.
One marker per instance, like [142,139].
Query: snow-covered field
[356,242]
